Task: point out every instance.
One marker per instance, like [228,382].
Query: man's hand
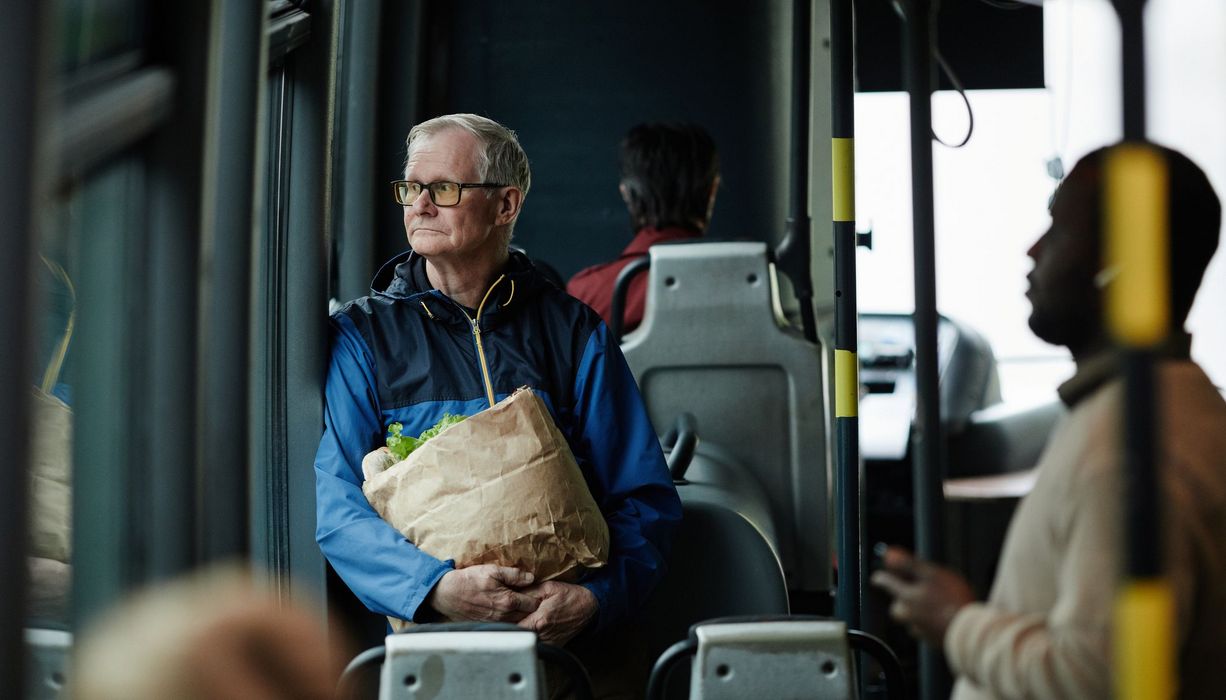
[483,593]
[926,596]
[564,610]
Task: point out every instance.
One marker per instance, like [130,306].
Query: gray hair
[501,159]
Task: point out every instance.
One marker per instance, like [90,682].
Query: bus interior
[193,187]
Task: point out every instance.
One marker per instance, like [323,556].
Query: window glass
[91,31]
[98,220]
[990,205]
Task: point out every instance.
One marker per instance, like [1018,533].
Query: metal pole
[225,279]
[1132,47]
[1136,238]
[850,597]
[927,439]
[19,83]
[792,255]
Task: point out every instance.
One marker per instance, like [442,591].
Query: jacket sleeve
[616,441]
[386,572]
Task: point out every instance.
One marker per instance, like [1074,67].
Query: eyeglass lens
[443,194]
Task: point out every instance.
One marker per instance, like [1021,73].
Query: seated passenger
[1046,629]
[669,176]
[452,326]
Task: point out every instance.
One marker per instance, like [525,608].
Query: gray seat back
[799,659]
[47,669]
[711,344]
[461,665]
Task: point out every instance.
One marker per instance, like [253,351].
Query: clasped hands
[556,611]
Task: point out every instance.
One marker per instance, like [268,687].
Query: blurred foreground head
[211,635]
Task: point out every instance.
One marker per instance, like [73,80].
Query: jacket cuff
[600,588]
[415,606]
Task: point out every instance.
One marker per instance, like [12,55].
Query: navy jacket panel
[409,354]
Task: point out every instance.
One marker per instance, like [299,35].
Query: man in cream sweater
[1046,629]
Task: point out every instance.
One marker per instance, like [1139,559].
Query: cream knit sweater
[1045,631]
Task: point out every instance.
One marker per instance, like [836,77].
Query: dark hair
[667,171]
[1195,218]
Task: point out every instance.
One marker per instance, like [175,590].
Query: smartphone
[879,550]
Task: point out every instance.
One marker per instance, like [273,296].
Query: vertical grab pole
[927,438]
[849,600]
[1135,216]
[22,84]
[792,255]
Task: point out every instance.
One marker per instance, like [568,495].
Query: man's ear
[509,203]
[621,187]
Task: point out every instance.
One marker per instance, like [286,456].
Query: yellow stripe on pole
[1136,252]
[846,384]
[843,167]
[1145,641]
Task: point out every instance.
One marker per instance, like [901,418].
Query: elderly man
[1045,631]
[452,326]
[669,177]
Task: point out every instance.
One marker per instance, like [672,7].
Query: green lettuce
[401,446]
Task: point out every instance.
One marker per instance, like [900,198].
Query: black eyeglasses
[443,194]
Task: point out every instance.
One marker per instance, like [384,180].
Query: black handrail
[682,440]
[347,687]
[549,653]
[663,667]
[794,252]
[621,287]
[895,681]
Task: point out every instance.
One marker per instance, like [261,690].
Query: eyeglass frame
[428,187]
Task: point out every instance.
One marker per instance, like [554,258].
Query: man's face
[466,230]
[1066,304]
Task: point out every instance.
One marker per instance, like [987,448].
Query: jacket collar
[404,278]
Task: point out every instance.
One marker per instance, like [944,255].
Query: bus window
[989,199]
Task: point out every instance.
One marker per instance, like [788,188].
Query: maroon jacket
[594,285]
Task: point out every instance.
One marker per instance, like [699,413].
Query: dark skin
[1065,294]
[926,596]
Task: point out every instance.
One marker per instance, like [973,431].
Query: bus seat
[46,672]
[724,561]
[1002,439]
[803,657]
[459,660]
[711,344]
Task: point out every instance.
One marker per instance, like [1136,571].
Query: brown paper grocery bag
[502,487]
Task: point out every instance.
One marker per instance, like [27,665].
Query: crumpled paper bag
[51,479]
[502,487]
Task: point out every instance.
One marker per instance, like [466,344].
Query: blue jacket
[410,354]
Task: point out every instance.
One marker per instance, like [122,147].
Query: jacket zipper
[476,323]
